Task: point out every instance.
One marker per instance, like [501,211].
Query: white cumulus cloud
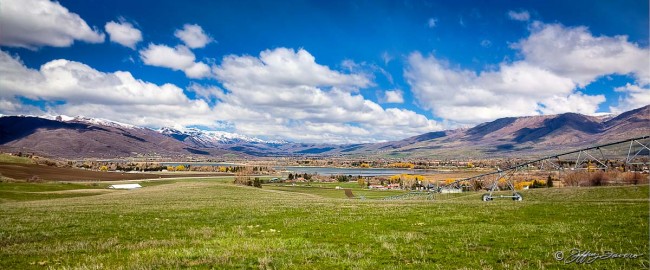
[123,33]
[179,58]
[464,96]
[285,92]
[193,36]
[281,94]
[575,53]
[574,102]
[35,23]
[557,62]
[74,88]
[284,67]
[207,92]
[394,96]
[634,96]
[197,70]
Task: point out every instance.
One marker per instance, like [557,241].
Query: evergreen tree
[257,183]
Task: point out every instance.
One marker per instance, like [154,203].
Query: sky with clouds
[322,71]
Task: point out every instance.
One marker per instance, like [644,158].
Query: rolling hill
[86,137]
[82,137]
[532,135]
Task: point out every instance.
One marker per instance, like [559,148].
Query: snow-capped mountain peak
[89,120]
[211,138]
[199,137]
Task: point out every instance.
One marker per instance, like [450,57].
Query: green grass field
[14,159]
[213,224]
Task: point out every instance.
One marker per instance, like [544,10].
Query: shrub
[538,184]
[47,163]
[35,179]
[574,178]
[342,178]
[242,177]
[598,178]
[634,178]
[478,185]
[520,185]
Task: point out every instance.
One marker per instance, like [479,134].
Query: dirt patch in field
[27,171]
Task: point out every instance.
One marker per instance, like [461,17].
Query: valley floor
[26,171]
[211,223]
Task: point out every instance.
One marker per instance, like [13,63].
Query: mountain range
[83,137]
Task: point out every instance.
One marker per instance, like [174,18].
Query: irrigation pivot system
[591,158]
[599,157]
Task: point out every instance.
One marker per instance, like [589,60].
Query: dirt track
[26,171]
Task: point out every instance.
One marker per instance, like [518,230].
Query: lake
[352,171]
[327,171]
[224,164]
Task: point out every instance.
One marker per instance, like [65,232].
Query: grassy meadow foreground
[211,223]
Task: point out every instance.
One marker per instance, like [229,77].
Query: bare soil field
[27,171]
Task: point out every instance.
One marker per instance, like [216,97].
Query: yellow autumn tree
[521,185]
[361,182]
[394,179]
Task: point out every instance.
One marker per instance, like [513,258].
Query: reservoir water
[326,171]
[224,164]
[353,171]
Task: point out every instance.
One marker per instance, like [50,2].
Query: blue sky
[322,71]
